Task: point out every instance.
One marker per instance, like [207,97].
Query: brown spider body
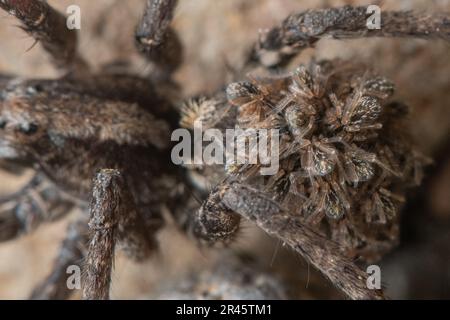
[104,140]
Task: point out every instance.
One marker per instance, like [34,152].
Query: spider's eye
[29,128]
[2,124]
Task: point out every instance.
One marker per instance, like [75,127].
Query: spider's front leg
[49,27]
[114,219]
[11,167]
[302,30]
[156,40]
[233,198]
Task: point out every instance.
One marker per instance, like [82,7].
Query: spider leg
[156,40]
[313,246]
[11,167]
[114,219]
[49,27]
[300,31]
[72,252]
[38,202]
[318,211]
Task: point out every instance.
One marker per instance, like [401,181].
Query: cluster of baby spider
[345,159]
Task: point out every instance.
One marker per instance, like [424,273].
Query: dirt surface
[216,35]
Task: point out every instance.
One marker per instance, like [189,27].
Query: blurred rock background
[216,35]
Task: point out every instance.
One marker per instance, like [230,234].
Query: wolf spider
[100,142]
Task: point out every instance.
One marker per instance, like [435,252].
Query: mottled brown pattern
[303,30]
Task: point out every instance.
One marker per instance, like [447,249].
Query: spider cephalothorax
[101,142]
